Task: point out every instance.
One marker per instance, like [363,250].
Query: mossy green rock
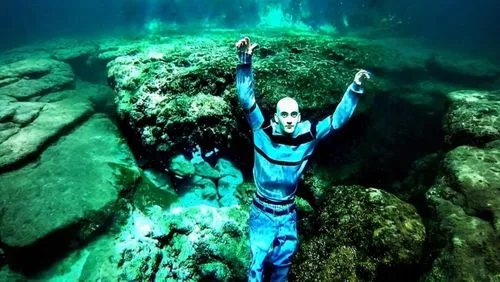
[72,188]
[467,246]
[179,91]
[475,173]
[182,92]
[360,232]
[188,244]
[464,208]
[473,118]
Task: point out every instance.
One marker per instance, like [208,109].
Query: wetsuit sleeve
[246,93]
[342,113]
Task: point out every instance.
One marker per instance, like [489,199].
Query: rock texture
[464,204]
[192,244]
[34,77]
[473,118]
[361,235]
[33,125]
[72,189]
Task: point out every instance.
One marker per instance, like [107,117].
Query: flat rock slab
[29,126]
[29,78]
[72,188]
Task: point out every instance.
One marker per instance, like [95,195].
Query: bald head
[287,114]
[287,103]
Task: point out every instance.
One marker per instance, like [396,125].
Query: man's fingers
[243,42]
[240,43]
[363,73]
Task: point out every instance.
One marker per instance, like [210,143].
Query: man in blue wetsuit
[282,148]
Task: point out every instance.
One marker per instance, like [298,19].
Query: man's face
[287,114]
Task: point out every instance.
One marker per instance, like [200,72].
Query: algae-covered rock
[467,245]
[191,244]
[464,216]
[473,118]
[181,167]
[361,233]
[475,173]
[182,93]
[227,186]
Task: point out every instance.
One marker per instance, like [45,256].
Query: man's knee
[283,255]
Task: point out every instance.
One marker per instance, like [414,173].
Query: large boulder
[472,118]
[465,246]
[67,194]
[182,93]
[475,173]
[362,234]
[464,209]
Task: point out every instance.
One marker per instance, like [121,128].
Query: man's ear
[298,118]
[276,118]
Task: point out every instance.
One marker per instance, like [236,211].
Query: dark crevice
[88,69]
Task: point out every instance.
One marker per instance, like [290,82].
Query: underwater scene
[230,140]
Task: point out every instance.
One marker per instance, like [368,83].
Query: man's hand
[360,76]
[244,45]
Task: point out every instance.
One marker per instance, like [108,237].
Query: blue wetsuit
[279,160]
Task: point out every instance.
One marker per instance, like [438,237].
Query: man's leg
[285,246]
[262,232]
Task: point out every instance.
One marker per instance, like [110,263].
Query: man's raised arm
[245,85]
[345,108]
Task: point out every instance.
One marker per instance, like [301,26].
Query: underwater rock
[183,92]
[155,188]
[173,95]
[7,110]
[181,167]
[101,96]
[35,77]
[464,207]
[456,67]
[193,244]
[172,102]
[49,121]
[420,178]
[204,169]
[227,186]
[475,173]
[197,191]
[472,118]
[74,50]
[466,246]
[362,233]
[67,195]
